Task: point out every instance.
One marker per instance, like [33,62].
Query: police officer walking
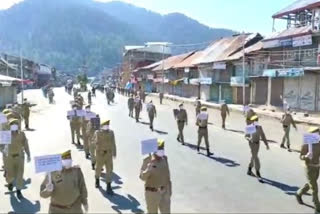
[66,189]
[75,124]
[312,166]
[156,175]
[105,152]
[131,105]
[202,123]
[224,111]
[152,113]
[26,112]
[182,119]
[198,107]
[254,143]
[287,121]
[137,107]
[16,156]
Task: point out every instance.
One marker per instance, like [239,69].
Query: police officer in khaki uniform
[182,119]
[137,107]
[287,121]
[75,124]
[26,112]
[198,107]
[15,159]
[152,113]
[67,190]
[202,123]
[80,101]
[92,145]
[254,143]
[156,175]
[311,160]
[84,131]
[161,97]
[105,152]
[131,105]
[224,111]
[250,113]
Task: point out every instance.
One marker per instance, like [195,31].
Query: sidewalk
[271,112]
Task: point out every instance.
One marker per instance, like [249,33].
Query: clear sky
[239,15]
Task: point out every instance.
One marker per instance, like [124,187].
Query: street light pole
[21,71]
[163,68]
[243,73]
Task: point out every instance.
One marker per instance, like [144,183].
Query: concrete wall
[8,95]
[205,92]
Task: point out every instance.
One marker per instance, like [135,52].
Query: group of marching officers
[67,188]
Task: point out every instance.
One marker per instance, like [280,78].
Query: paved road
[200,184]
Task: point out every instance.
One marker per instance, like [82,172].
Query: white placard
[81,113]
[90,115]
[203,116]
[5,137]
[149,146]
[70,113]
[311,138]
[251,129]
[3,118]
[48,163]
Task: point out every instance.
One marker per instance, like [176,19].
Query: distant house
[8,90]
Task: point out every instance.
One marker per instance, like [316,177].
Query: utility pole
[243,72]
[21,70]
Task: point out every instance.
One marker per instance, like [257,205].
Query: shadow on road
[26,183]
[122,203]
[24,205]
[225,161]
[235,131]
[115,178]
[155,130]
[289,190]
[30,130]
[193,147]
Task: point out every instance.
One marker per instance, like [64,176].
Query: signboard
[219,66]
[70,113]
[81,113]
[205,81]
[149,146]
[277,43]
[90,115]
[289,72]
[139,79]
[302,41]
[48,163]
[237,81]
[150,76]
[3,118]
[5,137]
[251,129]
[186,70]
[194,81]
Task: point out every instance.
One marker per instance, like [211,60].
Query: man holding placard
[287,121]
[15,159]
[310,154]
[66,188]
[255,133]
[156,175]
[105,152]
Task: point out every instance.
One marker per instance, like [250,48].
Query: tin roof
[256,47]
[289,33]
[297,6]
[221,49]
[189,61]
[7,81]
[171,62]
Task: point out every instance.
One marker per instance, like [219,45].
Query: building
[8,90]
[146,77]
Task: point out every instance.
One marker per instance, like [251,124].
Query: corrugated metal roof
[171,61]
[221,49]
[4,78]
[256,47]
[189,61]
[297,6]
[149,67]
[291,32]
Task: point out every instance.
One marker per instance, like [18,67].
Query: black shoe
[249,172]
[109,189]
[258,174]
[87,156]
[97,183]
[259,177]
[73,142]
[10,187]
[178,139]
[5,173]
[79,143]
[282,146]
[209,153]
[182,143]
[19,194]
[299,199]
[198,149]
[93,166]
[289,150]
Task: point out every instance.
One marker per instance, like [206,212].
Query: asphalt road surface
[200,184]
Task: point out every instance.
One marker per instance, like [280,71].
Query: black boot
[289,150]
[97,183]
[249,171]
[19,194]
[93,166]
[87,156]
[299,199]
[198,149]
[282,146]
[209,153]
[178,138]
[109,189]
[259,176]
[10,187]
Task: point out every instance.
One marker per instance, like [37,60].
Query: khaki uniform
[84,131]
[138,109]
[182,119]
[152,113]
[287,121]
[75,125]
[15,159]
[158,188]
[69,191]
[198,108]
[312,173]
[254,144]
[202,122]
[105,150]
[224,111]
[92,145]
[80,101]
[131,106]
[161,97]
[26,113]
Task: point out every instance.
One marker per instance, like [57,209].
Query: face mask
[160,153]
[74,108]
[67,163]
[181,107]
[255,123]
[87,110]
[106,127]
[14,127]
